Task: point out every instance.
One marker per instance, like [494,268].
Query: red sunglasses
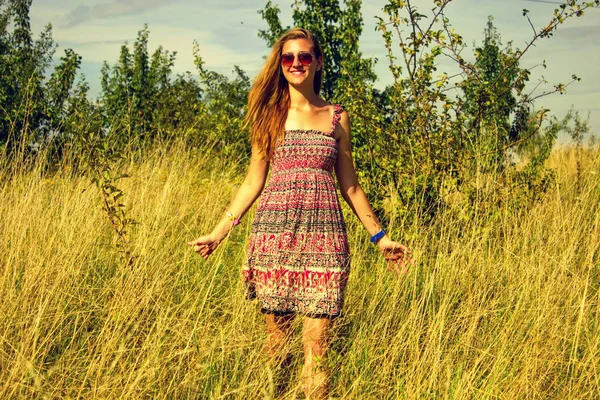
[305,59]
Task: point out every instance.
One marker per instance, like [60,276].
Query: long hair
[269,97]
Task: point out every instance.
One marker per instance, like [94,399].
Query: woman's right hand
[205,245]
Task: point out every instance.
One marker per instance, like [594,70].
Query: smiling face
[298,74]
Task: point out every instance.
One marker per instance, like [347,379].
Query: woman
[298,258]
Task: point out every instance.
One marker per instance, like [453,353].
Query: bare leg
[279,330]
[315,374]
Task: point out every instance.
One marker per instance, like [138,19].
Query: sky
[227,33]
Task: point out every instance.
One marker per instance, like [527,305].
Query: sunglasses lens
[287,60]
[305,58]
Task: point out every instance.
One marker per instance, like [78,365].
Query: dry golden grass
[494,308]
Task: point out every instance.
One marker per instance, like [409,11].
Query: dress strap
[337,113]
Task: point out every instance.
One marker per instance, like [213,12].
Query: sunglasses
[287,59]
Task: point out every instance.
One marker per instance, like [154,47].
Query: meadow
[503,307]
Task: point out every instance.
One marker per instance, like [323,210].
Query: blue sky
[226,31]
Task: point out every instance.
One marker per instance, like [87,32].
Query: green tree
[140,99]
[174,102]
[23,63]
[117,96]
[434,142]
[33,106]
[59,88]
[489,108]
[142,91]
[66,102]
[224,106]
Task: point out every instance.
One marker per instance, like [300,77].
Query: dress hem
[310,315]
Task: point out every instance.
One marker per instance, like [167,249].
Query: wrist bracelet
[376,237]
[234,221]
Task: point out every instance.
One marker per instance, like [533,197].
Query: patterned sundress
[298,257]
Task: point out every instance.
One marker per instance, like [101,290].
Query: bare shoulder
[342,129]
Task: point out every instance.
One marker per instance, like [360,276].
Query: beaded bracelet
[376,237]
[234,221]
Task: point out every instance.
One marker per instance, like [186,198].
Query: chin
[297,79]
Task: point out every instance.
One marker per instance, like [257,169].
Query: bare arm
[354,195]
[246,195]
[349,186]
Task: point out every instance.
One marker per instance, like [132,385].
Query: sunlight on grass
[499,308]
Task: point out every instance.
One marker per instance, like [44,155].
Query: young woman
[298,257]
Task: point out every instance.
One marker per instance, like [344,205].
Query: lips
[297,73]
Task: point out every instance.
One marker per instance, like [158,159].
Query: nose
[297,62]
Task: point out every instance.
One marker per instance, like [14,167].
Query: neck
[303,97]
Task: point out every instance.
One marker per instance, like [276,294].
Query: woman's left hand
[396,255]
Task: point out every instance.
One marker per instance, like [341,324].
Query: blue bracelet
[376,237]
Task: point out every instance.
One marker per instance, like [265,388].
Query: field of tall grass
[504,307]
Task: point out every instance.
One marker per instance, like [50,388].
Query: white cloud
[109,9]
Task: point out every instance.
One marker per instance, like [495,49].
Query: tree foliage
[428,141]
[33,108]
[224,108]
[140,99]
[435,141]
